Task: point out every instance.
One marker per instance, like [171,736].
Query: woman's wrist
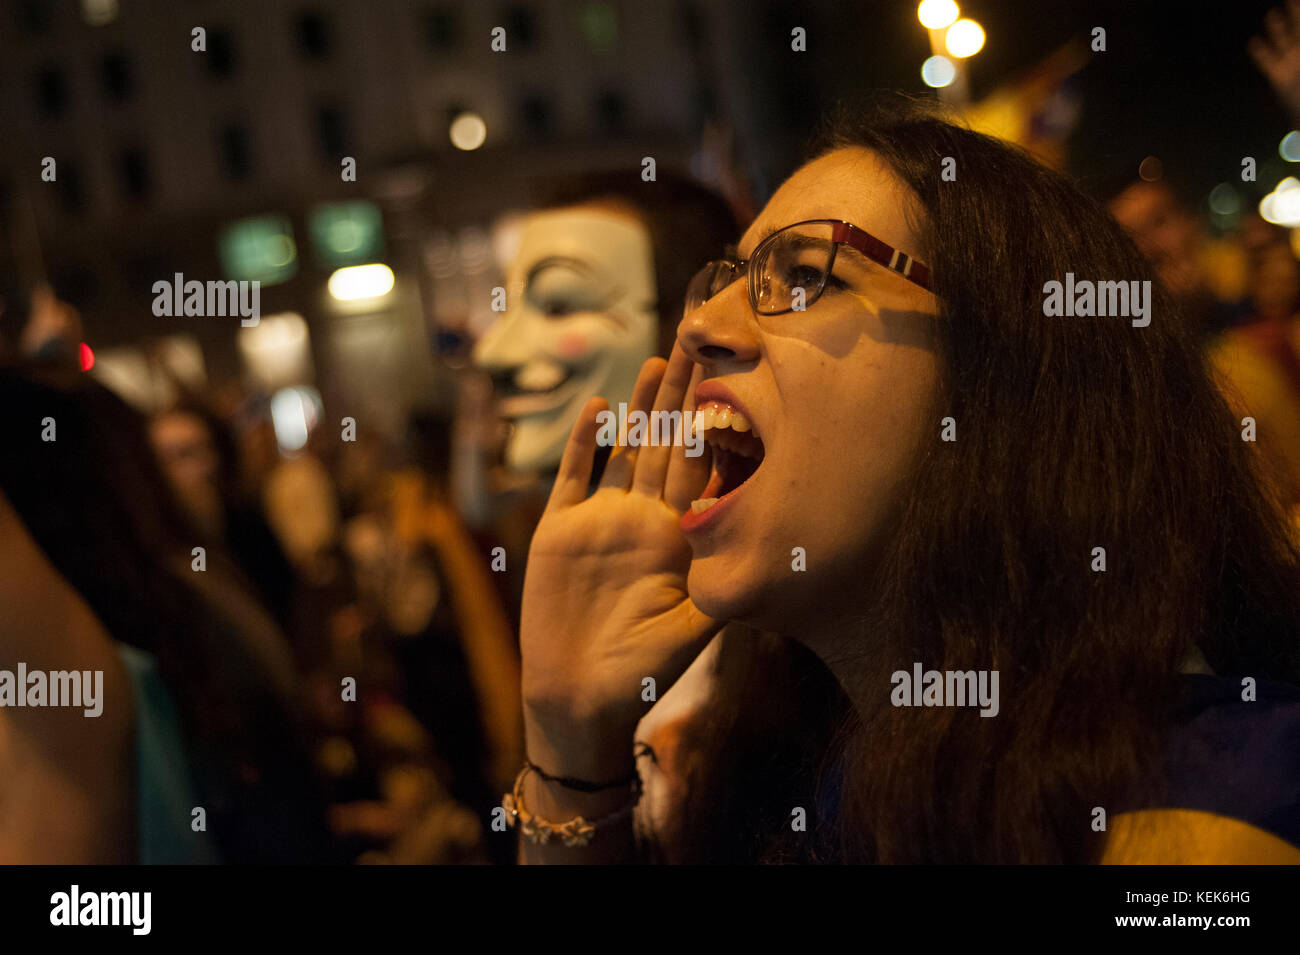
[592,750]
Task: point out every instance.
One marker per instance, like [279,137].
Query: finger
[1263,54]
[652,463]
[622,462]
[1279,29]
[575,466]
[688,472]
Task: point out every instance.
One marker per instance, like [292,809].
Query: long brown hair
[1072,434]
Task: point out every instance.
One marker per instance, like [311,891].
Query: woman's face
[840,395]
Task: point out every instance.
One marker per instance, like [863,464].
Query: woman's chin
[721,595]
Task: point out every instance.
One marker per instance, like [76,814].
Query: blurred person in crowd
[53,330]
[1277,54]
[423,582]
[594,290]
[211,682]
[416,821]
[219,708]
[65,780]
[1178,247]
[1122,684]
[1259,362]
[200,457]
[302,506]
[397,603]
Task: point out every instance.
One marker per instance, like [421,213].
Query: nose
[722,329]
[503,345]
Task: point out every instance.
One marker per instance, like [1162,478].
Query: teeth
[703,504]
[716,415]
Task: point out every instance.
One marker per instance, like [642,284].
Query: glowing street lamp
[938,72]
[952,41]
[937,14]
[964,38]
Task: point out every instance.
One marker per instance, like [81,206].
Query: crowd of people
[314,658]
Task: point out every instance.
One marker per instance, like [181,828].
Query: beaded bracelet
[574,833]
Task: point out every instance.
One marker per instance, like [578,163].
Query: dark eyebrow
[859,257]
[734,250]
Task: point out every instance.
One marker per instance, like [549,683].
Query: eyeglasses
[791,268]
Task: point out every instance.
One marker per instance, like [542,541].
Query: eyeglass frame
[842,233]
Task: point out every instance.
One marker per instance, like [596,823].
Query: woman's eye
[804,276]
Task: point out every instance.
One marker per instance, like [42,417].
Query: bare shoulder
[66,754]
[1192,837]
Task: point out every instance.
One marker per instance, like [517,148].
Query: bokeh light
[468,131]
[1289,148]
[937,14]
[965,38]
[938,71]
[1151,169]
[361,281]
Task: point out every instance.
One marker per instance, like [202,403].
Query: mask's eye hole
[556,290]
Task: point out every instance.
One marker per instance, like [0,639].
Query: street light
[965,38]
[952,41]
[937,14]
[938,72]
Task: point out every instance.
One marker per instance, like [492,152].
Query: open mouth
[505,384]
[737,452]
[516,399]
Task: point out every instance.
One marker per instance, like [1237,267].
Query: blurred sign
[346,233]
[260,249]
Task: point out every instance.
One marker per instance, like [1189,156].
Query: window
[134,170]
[72,188]
[521,28]
[35,16]
[221,53]
[598,23]
[116,76]
[51,92]
[331,133]
[535,111]
[611,114]
[236,156]
[441,29]
[312,34]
